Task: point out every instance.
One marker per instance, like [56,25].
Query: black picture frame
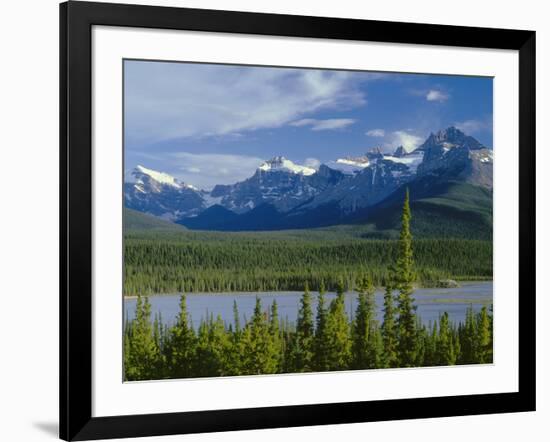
[76,21]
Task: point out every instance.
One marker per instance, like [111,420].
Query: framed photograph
[272,221]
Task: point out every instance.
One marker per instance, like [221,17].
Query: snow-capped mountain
[283,193]
[160,194]
[453,155]
[277,181]
[155,181]
[377,176]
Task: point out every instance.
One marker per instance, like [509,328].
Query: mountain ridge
[282,194]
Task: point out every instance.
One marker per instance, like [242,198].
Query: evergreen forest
[215,262]
[322,340]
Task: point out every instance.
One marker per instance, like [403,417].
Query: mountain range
[449,178]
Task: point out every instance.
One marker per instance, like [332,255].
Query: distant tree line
[165,264]
[325,340]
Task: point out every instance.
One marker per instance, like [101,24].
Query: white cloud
[376,133]
[474,126]
[177,100]
[312,162]
[437,95]
[403,138]
[327,124]
[303,122]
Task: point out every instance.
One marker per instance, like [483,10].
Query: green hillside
[135,221]
[446,210]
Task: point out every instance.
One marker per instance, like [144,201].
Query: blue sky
[212,124]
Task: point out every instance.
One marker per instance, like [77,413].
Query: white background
[29,239]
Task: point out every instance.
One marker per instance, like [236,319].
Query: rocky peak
[450,138]
[451,154]
[375,153]
[400,152]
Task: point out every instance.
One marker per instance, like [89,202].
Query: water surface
[431,303]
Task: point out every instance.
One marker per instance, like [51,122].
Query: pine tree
[156,331]
[485,351]
[376,344]
[404,277]
[430,346]
[142,352]
[287,336]
[247,363]
[276,338]
[128,328]
[159,337]
[259,355]
[181,345]
[421,340]
[321,333]
[234,354]
[302,344]
[212,349]
[456,344]
[468,338]
[445,350]
[366,351]
[236,319]
[389,335]
[202,363]
[338,332]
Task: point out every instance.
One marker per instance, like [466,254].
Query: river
[430,302]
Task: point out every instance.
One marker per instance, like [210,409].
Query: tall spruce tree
[128,327]
[235,350]
[445,350]
[142,352]
[204,363]
[430,345]
[421,337]
[456,344]
[404,277]
[181,345]
[389,329]
[485,351]
[212,349]
[302,344]
[338,332]
[259,353]
[376,345]
[365,348]
[236,318]
[468,338]
[321,333]
[159,337]
[276,337]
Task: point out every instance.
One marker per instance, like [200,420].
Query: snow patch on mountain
[349,165]
[359,162]
[159,177]
[281,164]
[210,200]
[411,160]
